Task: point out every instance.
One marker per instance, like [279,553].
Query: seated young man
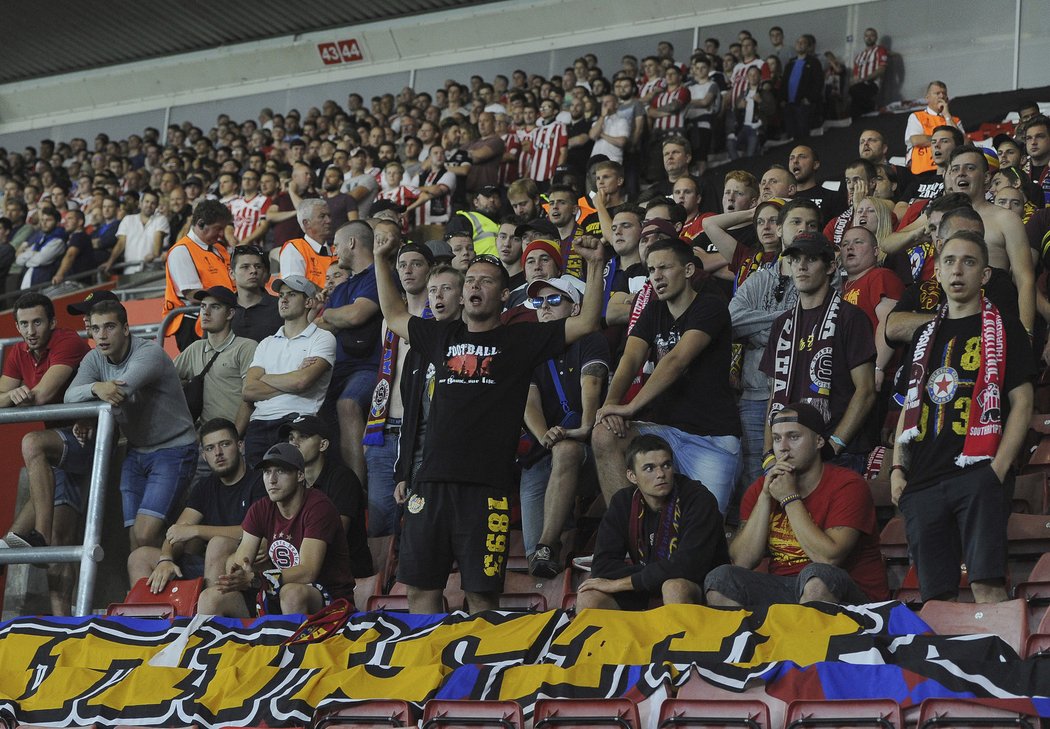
[307,547]
[668,526]
[815,521]
[312,436]
[207,530]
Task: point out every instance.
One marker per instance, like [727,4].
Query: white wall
[972,51]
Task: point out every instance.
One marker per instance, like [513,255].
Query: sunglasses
[248,250]
[778,292]
[550,299]
[487,258]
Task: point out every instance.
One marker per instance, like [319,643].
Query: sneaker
[544,562]
[32,539]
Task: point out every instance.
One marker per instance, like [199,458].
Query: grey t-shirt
[364,205]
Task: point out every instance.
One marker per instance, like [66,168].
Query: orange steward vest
[922,157]
[316,264]
[213,268]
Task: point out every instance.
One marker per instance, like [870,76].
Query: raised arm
[390,302]
[587,321]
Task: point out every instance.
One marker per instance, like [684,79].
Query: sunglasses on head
[248,249]
[550,299]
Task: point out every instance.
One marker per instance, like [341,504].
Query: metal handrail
[146,331]
[83,275]
[90,553]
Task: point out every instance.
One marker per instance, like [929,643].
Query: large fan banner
[213,672]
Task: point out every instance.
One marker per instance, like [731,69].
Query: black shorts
[446,522]
[958,519]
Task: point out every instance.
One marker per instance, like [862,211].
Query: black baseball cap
[809,243]
[417,248]
[541,225]
[805,415]
[83,307]
[307,425]
[283,454]
[221,293]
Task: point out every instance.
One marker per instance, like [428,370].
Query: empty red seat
[531,602]
[883,713]
[163,610]
[714,713]
[1008,620]
[371,714]
[457,714]
[394,603]
[567,713]
[1037,644]
[946,713]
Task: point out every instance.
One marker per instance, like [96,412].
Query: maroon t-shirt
[286,230]
[317,519]
[841,499]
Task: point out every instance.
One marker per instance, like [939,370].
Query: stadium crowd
[429,314]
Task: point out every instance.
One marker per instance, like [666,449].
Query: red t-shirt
[868,290]
[65,348]
[841,499]
[317,519]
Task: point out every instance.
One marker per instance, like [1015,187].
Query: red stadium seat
[164,610]
[395,603]
[909,592]
[180,594]
[945,713]
[1008,620]
[372,714]
[455,714]
[1030,493]
[882,713]
[1036,596]
[1038,644]
[530,602]
[714,713]
[567,713]
[696,687]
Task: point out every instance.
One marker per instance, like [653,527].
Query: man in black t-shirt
[920,301]
[667,525]
[312,436]
[822,352]
[967,407]
[459,508]
[687,400]
[212,517]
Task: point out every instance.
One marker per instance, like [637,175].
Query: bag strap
[323,624]
[208,366]
[558,388]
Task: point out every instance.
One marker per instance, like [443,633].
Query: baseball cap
[545,245]
[417,248]
[297,283]
[665,228]
[283,454]
[569,285]
[488,191]
[307,425]
[83,307]
[193,181]
[807,415]
[220,293]
[542,226]
[809,243]
[440,250]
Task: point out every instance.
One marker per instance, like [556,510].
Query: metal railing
[88,554]
[147,331]
[10,297]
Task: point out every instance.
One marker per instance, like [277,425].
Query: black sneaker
[32,539]
[544,562]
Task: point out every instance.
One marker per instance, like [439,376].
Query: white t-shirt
[138,237]
[614,126]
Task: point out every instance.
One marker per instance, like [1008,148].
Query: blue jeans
[382,511]
[532,491]
[713,460]
[753,423]
[152,482]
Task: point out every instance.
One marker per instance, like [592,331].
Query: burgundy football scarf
[377,415]
[784,361]
[666,539]
[984,429]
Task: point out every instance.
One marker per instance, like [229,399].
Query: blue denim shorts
[151,483]
[358,387]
